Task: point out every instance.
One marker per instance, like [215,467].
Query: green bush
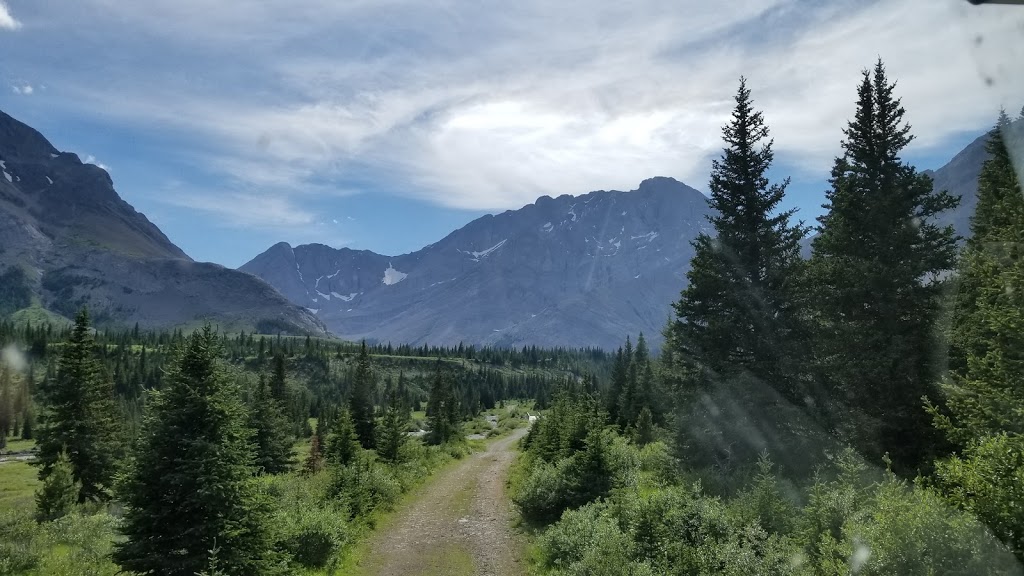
[365,485]
[312,529]
[588,542]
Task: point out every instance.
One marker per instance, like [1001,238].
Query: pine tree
[393,425]
[59,491]
[443,407]
[983,395]
[360,400]
[278,381]
[190,488]
[81,417]
[645,427]
[737,313]
[272,438]
[875,275]
[343,442]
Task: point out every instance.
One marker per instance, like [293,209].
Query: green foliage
[392,436]
[74,545]
[874,276]
[988,480]
[343,445]
[310,527]
[272,438]
[59,492]
[737,313]
[365,485]
[190,488]
[443,408]
[360,400]
[81,418]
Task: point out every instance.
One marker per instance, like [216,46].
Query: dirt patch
[460,523]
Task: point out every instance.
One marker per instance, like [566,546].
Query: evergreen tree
[737,313]
[190,488]
[59,491]
[360,399]
[443,407]
[393,425]
[983,395]
[273,442]
[875,276]
[618,384]
[645,427]
[81,417]
[343,442]
[278,380]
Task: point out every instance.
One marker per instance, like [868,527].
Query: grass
[38,316]
[18,445]
[18,483]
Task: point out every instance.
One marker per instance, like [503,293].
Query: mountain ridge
[77,243]
[574,310]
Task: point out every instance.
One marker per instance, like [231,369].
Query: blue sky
[385,124]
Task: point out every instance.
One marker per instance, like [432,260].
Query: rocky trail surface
[459,523]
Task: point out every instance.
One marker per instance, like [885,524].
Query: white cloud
[24,89]
[7,21]
[474,107]
[90,159]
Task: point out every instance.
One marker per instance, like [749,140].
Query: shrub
[365,485]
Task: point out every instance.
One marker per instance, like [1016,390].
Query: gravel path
[460,523]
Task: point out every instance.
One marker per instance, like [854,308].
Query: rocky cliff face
[579,271]
[82,245]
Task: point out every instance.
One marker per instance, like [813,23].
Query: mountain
[68,240]
[580,271]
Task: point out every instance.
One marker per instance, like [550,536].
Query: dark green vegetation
[167,453]
[858,412]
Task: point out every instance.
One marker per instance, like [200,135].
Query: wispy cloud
[474,107]
[7,21]
[90,159]
[24,89]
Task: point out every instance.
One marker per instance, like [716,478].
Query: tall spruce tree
[360,400]
[279,380]
[737,313]
[342,441]
[443,407]
[393,424]
[983,395]
[80,417]
[191,488]
[875,274]
[272,431]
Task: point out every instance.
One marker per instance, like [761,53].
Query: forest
[209,453]
[857,412]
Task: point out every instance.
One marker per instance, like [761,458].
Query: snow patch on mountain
[344,298]
[547,227]
[483,254]
[49,180]
[649,236]
[392,276]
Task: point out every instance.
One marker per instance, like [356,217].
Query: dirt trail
[460,523]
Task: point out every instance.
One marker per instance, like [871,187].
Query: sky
[386,124]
